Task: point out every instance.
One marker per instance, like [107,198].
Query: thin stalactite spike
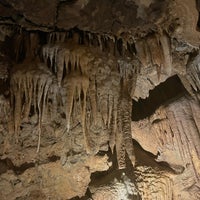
[165,44]
[85,86]
[69,102]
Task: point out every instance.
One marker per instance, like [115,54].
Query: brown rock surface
[99,99]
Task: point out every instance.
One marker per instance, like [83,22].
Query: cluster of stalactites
[64,61]
[115,111]
[76,87]
[70,67]
[155,50]
[30,86]
[115,45]
[67,67]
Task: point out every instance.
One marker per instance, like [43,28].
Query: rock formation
[99,99]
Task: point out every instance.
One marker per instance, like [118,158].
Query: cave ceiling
[99,99]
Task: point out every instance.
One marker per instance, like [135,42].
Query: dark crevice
[4,87]
[87,196]
[42,37]
[162,94]
[145,158]
[53,158]
[21,40]
[198,8]
[7,164]
[120,46]
[22,168]
[68,2]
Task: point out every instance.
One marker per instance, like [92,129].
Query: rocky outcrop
[172,135]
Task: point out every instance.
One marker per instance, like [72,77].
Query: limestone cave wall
[99,99]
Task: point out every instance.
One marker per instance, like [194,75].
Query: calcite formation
[99,99]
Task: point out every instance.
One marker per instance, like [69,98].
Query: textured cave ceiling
[99,99]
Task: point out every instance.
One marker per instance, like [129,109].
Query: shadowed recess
[171,89]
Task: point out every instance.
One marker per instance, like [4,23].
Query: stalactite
[29,86]
[66,62]
[110,109]
[156,52]
[52,88]
[65,59]
[39,98]
[17,112]
[100,42]
[60,65]
[70,67]
[51,52]
[45,92]
[165,43]
[125,69]
[56,37]
[75,84]
[28,96]
[93,101]
[104,109]
[85,86]
[141,52]
[70,87]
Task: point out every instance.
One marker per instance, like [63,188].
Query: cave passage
[167,91]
